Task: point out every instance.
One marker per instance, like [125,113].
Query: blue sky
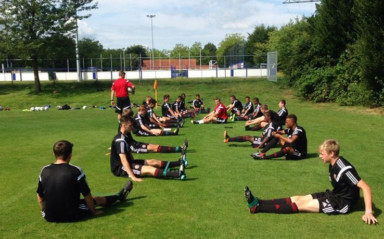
[122,23]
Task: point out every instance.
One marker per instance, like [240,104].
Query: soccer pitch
[210,203]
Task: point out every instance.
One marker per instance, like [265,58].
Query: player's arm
[132,86]
[91,204]
[286,139]
[112,97]
[368,216]
[40,200]
[127,168]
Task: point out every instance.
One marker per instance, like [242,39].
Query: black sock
[276,201]
[168,149]
[237,139]
[278,154]
[278,208]
[159,173]
[272,143]
[170,164]
[111,199]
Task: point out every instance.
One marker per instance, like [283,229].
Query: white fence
[158,74]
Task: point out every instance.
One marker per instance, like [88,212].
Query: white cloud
[121,23]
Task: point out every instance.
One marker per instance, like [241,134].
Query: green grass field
[210,204]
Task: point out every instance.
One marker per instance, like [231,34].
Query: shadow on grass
[115,208]
[360,206]
[192,167]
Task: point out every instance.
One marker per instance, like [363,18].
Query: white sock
[201,121]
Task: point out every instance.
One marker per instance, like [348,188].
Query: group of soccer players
[61,183]
[343,176]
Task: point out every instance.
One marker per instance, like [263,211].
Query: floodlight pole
[153,53]
[77,51]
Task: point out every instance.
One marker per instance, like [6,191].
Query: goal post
[272,66]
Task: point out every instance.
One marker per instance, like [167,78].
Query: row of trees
[337,54]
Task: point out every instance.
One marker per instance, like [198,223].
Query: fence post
[111,67]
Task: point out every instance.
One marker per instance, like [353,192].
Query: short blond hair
[329,146]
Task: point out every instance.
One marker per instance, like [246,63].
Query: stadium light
[153,53]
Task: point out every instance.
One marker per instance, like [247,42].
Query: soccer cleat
[176,131]
[182,174]
[184,147]
[258,156]
[252,201]
[181,123]
[125,191]
[226,136]
[183,160]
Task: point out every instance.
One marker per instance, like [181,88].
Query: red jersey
[120,86]
[221,111]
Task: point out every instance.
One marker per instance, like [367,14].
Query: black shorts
[297,155]
[221,121]
[135,166]
[81,212]
[122,103]
[331,204]
[139,147]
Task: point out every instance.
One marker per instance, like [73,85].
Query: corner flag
[155,88]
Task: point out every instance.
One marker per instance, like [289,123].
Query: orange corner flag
[155,85]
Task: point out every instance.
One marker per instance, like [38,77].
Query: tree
[180,50]
[370,47]
[27,25]
[208,53]
[257,44]
[227,46]
[135,53]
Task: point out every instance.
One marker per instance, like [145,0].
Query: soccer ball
[84,107]
[130,90]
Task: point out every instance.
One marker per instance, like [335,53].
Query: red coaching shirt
[221,111]
[120,86]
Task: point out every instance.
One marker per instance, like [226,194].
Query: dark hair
[126,119]
[62,149]
[152,101]
[267,113]
[256,99]
[183,95]
[292,116]
[127,112]
[142,107]
[217,98]
[233,96]
[166,96]
[247,97]
[283,101]
[198,95]
[121,73]
[264,107]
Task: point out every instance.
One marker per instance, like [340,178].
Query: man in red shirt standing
[120,89]
[218,115]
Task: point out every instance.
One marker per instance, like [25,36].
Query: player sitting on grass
[179,108]
[60,185]
[235,107]
[167,110]
[140,147]
[260,122]
[266,138]
[218,115]
[123,164]
[141,129]
[294,146]
[198,104]
[282,113]
[247,112]
[156,121]
[346,184]
[257,109]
